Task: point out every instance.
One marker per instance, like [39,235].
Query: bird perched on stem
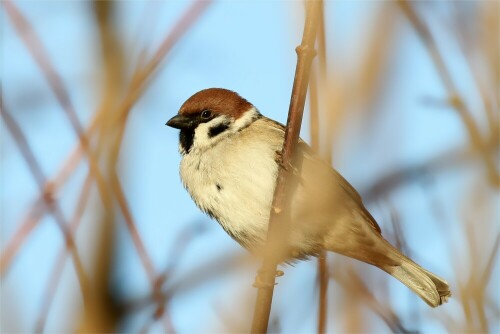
[229,167]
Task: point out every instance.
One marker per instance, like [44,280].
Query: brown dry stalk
[454,97]
[57,270]
[279,210]
[15,242]
[439,164]
[143,74]
[55,82]
[353,283]
[133,93]
[37,211]
[323,275]
[470,48]
[322,263]
[51,203]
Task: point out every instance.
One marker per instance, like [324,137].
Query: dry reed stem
[470,49]
[322,270]
[439,164]
[144,74]
[454,97]
[133,93]
[38,52]
[161,300]
[353,282]
[58,88]
[35,212]
[14,243]
[473,290]
[198,276]
[51,203]
[279,215]
[58,268]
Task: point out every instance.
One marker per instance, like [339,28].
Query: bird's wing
[340,183]
[323,172]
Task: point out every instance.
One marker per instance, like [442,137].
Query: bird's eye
[205,114]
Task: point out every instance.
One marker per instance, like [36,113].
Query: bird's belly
[239,200]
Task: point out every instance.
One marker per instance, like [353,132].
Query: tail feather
[441,285]
[431,288]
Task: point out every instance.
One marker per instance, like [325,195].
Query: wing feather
[306,152]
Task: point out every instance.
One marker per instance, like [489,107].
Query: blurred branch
[441,163]
[353,282]
[37,210]
[369,79]
[177,251]
[280,215]
[473,292]
[142,75]
[200,275]
[465,39]
[50,202]
[28,35]
[57,270]
[322,270]
[130,98]
[455,99]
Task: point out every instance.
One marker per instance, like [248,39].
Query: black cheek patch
[218,129]
[186,138]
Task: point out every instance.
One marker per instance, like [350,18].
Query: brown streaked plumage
[229,168]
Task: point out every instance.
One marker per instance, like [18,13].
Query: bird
[229,166]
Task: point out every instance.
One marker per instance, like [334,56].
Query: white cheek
[201,134]
[201,137]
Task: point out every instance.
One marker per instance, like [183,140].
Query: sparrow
[229,167]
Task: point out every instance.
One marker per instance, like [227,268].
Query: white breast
[234,180]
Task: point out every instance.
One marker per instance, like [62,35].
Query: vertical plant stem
[323,275]
[140,78]
[322,260]
[51,203]
[55,82]
[57,270]
[454,97]
[279,210]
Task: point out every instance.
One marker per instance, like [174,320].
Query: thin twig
[322,270]
[455,99]
[55,82]
[354,283]
[131,97]
[51,203]
[279,210]
[57,270]
[37,211]
[465,39]
[445,162]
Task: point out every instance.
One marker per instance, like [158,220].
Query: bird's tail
[431,288]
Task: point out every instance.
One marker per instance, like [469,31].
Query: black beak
[180,122]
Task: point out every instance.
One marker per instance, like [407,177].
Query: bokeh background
[408,100]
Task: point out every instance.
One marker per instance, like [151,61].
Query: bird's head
[211,115]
